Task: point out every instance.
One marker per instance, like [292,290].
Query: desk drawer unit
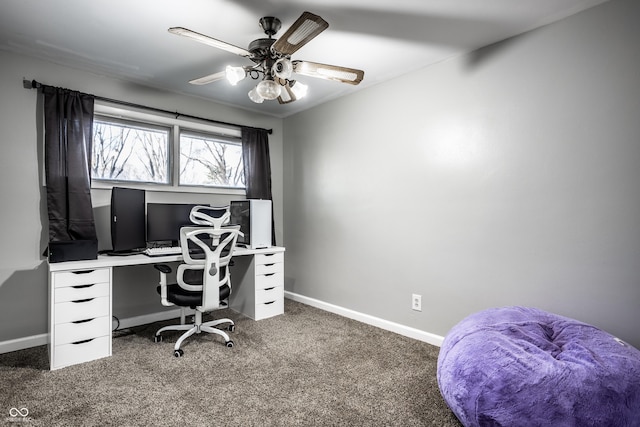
[258,285]
[80,318]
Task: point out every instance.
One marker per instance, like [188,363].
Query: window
[129,151]
[207,160]
[144,150]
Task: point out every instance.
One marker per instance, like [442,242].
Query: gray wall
[23,226]
[508,176]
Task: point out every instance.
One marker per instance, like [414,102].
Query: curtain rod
[32,84]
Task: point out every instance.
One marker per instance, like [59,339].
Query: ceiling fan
[272,58]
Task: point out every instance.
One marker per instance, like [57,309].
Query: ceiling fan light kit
[298,89]
[283,68]
[268,89]
[235,74]
[255,97]
[272,58]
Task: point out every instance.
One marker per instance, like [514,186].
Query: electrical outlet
[416,302]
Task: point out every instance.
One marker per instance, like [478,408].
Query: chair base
[196,328]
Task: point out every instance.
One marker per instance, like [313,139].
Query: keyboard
[163,250]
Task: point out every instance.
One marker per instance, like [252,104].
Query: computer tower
[127,220]
[72,250]
[254,218]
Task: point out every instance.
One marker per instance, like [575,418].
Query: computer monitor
[127,220]
[164,221]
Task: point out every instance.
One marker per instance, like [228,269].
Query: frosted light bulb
[235,74]
[255,96]
[283,68]
[299,90]
[268,89]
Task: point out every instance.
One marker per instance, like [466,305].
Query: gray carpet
[307,367]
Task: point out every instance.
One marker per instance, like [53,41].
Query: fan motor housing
[260,49]
[270,25]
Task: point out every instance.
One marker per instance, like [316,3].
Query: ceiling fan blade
[180,31]
[329,72]
[300,33]
[209,79]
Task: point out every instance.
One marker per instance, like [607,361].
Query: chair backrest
[210,215]
[215,251]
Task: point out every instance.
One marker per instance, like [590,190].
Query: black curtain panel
[68,120]
[257,167]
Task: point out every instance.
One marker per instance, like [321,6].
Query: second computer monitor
[164,221]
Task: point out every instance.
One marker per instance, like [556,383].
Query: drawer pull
[269,289]
[269,254]
[270,302]
[83,321]
[269,265]
[83,300]
[83,272]
[83,286]
[270,274]
[83,341]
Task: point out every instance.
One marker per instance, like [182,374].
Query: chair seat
[192,299]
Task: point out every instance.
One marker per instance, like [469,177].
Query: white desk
[80,298]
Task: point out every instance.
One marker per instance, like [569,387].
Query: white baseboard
[43,339]
[406,331]
[145,319]
[22,343]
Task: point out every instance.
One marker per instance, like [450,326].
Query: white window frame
[144,126]
[145,117]
[215,138]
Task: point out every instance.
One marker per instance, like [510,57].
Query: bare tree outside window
[211,161]
[128,150]
[125,151]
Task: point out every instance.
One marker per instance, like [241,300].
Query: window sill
[100,185]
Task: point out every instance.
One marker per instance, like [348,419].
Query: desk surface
[116,261]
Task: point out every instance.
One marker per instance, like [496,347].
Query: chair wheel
[229,343]
[157,338]
[178,352]
[231,328]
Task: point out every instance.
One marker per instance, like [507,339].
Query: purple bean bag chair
[518,366]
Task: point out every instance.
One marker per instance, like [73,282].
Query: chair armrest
[164,270]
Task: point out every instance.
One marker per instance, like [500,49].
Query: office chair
[204,215]
[203,280]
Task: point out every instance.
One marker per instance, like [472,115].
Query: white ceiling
[128,39]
